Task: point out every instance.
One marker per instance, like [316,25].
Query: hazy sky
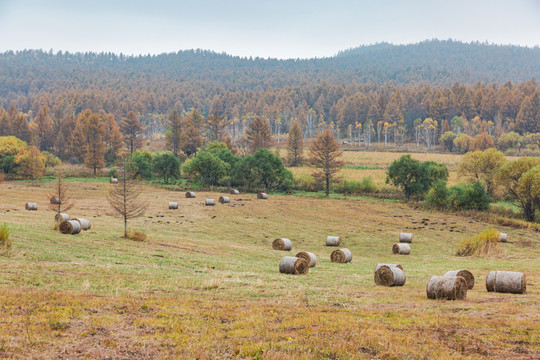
[275,28]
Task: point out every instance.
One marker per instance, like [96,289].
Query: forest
[432,93]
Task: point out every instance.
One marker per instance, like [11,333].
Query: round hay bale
[282,244]
[401,249]
[173,205]
[333,241]
[61,217]
[55,200]
[262,196]
[85,224]
[113,181]
[190,195]
[389,276]
[69,227]
[234,192]
[446,288]
[30,206]
[311,258]
[209,202]
[513,282]
[341,256]
[405,238]
[466,274]
[389,265]
[293,265]
[224,200]
[504,237]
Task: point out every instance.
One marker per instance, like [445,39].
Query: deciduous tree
[326,156]
[132,130]
[258,134]
[295,145]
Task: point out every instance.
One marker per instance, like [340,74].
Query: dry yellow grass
[206,283]
[360,164]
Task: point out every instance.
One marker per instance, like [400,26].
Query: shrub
[262,170]
[366,185]
[307,183]
[484,244]
[437,196]
[136,236]
[5,241]
[167,166]
[140,164]
[207,169]
[414,177]
[112,173]
[469,197]
[50,159]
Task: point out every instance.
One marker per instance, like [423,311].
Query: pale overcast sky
[276,28]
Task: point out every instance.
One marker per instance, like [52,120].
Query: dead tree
[60,200]
[124,199]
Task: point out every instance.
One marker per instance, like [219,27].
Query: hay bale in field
[173,205]
[333,241]
[30,206]
[513,282]
[504,237]
[389,265]
[447,288]
[311,258]
[341,256]
[85,224]
[209,202]
[262,195]
[466,274]
[405,238]
[282,244]
[401,249]
[190,195]
[113,181]
[69,227]
[389,276]
[55,200]
[293,265]
[224,200]
[61,217]
[234,192]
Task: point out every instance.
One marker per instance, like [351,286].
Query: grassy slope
[206,283]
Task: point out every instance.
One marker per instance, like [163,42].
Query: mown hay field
[206,283]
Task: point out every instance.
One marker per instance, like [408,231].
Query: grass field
[206,283]
[374,164]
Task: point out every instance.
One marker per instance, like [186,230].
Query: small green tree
[207,169]
[447,139]
[413,177]
[262,170]
[521,180]
[166,166]
[140,165]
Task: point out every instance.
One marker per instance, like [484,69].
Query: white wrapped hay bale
[30,206]
[85,224]
[341,256]
[293,265]
[209,202]
[282,244]
[446,288]
[224,200]
[466,274]
[401,249]
[262,195]
[513,282]
[61,217]
[405,237]
[173,205]
[333,241]
[190,195]
[69,227]
[311,258]
[389,276]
